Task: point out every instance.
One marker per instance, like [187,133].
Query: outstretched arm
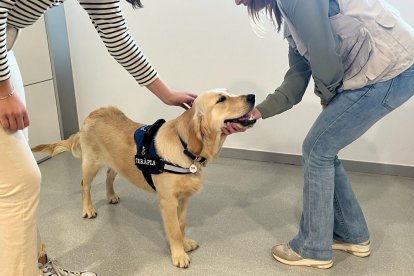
[110,24]
[312,24]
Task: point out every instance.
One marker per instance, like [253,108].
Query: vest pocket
[396,34]
[355,43]
[386,20]
[377,65]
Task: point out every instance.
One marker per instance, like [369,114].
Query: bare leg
[42,260]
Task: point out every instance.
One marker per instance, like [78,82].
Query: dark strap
[148,178]
[190,155]
[149,135]
[147,138]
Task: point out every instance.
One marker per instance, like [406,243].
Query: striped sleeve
[109,22]
[5,6]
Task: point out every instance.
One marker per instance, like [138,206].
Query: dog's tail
[71,144]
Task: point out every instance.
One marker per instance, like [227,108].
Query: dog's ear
[195,134]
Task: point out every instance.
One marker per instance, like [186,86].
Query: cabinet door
[44,122]
[32,54]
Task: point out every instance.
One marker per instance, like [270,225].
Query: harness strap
[190,155]
[149,135]
[143,152]
[150,163]
[148,178]
[171,168]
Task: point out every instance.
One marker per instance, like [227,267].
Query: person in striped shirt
[19,174]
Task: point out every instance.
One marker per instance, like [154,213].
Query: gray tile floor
[244,209]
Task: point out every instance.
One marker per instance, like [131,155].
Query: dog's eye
[221,99]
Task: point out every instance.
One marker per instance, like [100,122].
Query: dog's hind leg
[189,244]
[169,208]
[110,193]
[89,171]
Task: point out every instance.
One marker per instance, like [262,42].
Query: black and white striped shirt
[105,15]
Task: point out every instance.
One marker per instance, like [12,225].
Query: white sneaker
[285,254]
[52,268]
[356,249]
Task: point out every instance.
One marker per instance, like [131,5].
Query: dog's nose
[250,98]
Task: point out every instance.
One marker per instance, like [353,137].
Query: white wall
[197,45]
[34,64]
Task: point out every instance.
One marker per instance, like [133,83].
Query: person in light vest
[360,55]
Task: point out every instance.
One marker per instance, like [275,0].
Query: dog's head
[209,114]
[219,107]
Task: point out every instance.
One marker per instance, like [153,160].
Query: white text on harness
[143,161]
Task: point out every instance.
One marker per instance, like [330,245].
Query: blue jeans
[330,208]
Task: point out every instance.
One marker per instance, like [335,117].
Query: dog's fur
[107,139]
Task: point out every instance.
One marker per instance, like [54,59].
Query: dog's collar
[193,157]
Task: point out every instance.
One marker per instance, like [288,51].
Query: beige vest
[375,43]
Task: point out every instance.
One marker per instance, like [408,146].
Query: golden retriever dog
[107,139]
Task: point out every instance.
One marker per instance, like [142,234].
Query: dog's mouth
[245,120]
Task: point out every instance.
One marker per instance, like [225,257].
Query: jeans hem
[321,255]
[353,240]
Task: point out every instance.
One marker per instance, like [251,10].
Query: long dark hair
[272,9]
[136,4]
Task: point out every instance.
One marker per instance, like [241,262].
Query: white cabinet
[32,54]
[44,122]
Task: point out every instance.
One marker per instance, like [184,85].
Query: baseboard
[292,159]
[41,160]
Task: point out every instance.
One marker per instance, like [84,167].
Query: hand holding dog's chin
[256,113]
[231,128]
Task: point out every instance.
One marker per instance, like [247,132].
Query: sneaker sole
[354,249]
[306,262]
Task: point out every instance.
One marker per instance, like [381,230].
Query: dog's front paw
[113,199]
[190,245]
[89,212]
[180,259]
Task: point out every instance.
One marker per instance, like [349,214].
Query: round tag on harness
[193,168]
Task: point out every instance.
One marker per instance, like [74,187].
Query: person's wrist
[168,97]
[4,94]
[256,113]
[6,88]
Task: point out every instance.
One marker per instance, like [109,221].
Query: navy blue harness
[147,159]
